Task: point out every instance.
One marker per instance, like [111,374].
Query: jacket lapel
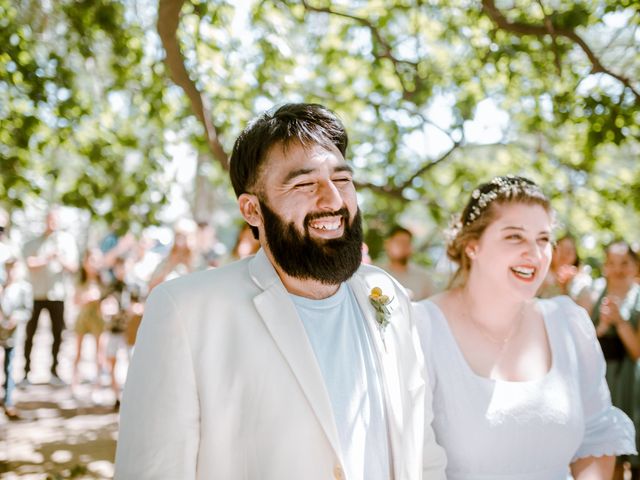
[387,359]
[281,319]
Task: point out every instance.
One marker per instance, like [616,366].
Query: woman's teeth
[524,272]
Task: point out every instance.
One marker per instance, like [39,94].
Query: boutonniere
[382,305]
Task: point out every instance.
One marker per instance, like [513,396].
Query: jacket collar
[281,319]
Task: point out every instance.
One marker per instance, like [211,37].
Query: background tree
[409,77]
[84,109]
[437,96]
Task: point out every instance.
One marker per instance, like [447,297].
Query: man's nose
[329,197]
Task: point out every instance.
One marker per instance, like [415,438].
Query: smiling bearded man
[284,365]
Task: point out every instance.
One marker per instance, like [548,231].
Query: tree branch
[522,29]
[375,32]
[168,21]
[428,166]
[381,189]
[548,23]
[396,191]
[427,121]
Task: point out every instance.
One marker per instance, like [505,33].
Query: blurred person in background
[140,259]
[182,258]
[208,250]
[246,244]
[366,258]
[399,249]
[6,248]
[88,299]
[49,257]
[120,305]
[15,308]
[615,312]
[112,247]
[566,276]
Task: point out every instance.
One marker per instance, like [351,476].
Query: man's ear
[250,209]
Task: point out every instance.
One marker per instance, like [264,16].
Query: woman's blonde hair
[481,211]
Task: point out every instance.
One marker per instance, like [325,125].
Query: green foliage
[83,95]
[85,101]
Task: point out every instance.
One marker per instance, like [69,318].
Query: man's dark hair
[306,123]
[399,229]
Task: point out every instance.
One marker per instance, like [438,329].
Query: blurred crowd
[99,293]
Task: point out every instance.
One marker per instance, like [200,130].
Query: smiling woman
[530,372]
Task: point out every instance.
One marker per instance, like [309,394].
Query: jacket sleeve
[434,459]
[159,418]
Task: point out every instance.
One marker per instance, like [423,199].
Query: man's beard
[404,260]
[300,256]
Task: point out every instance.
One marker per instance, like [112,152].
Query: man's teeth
[326,224]
[524,271]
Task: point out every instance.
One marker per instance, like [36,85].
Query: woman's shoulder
[430,315]
[563,311]
[433,331]
[433,306]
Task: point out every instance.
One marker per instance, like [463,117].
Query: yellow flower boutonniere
[382,305]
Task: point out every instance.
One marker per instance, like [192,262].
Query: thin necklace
[483,331]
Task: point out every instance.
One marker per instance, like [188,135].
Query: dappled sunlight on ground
[61,434]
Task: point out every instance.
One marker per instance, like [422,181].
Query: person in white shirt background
[50,257]
[15,308]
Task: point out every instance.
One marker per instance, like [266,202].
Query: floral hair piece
[453,229]
[504,187]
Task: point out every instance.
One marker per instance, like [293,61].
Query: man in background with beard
[296,363]
[399,249]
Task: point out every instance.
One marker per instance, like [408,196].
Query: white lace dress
[531,430]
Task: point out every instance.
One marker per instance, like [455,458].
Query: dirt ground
[61,434]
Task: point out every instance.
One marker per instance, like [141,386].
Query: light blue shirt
[342,346]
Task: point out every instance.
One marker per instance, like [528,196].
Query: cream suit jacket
[224,384]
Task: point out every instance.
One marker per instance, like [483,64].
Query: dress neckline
[461,358]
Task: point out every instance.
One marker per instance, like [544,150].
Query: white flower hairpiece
[453,229]
[500,187]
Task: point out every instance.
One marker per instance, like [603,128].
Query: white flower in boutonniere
[382,305]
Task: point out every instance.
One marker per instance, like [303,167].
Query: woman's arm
[593,468]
